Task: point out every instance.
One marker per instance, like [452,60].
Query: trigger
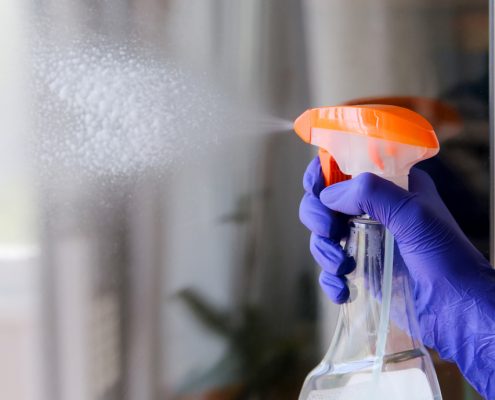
[331,171]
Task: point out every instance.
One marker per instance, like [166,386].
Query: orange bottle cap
[391,123]
[383,139]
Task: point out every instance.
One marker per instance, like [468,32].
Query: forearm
[462,329]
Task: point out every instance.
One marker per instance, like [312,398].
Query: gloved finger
[313,181]
[330,256]
[335,287]
[321,220]
[365,194]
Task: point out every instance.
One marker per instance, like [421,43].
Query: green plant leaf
[214,319]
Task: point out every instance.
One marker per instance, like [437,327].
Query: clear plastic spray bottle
[376,351]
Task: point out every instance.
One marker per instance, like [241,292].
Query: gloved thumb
[367,194]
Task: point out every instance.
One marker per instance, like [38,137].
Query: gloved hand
[454,285]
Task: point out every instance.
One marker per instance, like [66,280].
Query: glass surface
[150,246]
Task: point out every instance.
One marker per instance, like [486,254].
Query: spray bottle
[376,351]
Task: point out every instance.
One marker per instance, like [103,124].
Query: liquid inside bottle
[354,367]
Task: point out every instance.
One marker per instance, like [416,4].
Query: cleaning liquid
[109,110]
[376,352]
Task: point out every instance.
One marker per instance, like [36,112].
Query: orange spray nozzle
[382,139]
[302,126]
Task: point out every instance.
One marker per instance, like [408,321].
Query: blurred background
[167,261]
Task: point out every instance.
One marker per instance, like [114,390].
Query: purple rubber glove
[454,285]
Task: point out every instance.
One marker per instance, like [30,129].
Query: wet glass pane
[150,246]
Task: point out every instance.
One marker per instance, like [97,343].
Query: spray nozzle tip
[302,126]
